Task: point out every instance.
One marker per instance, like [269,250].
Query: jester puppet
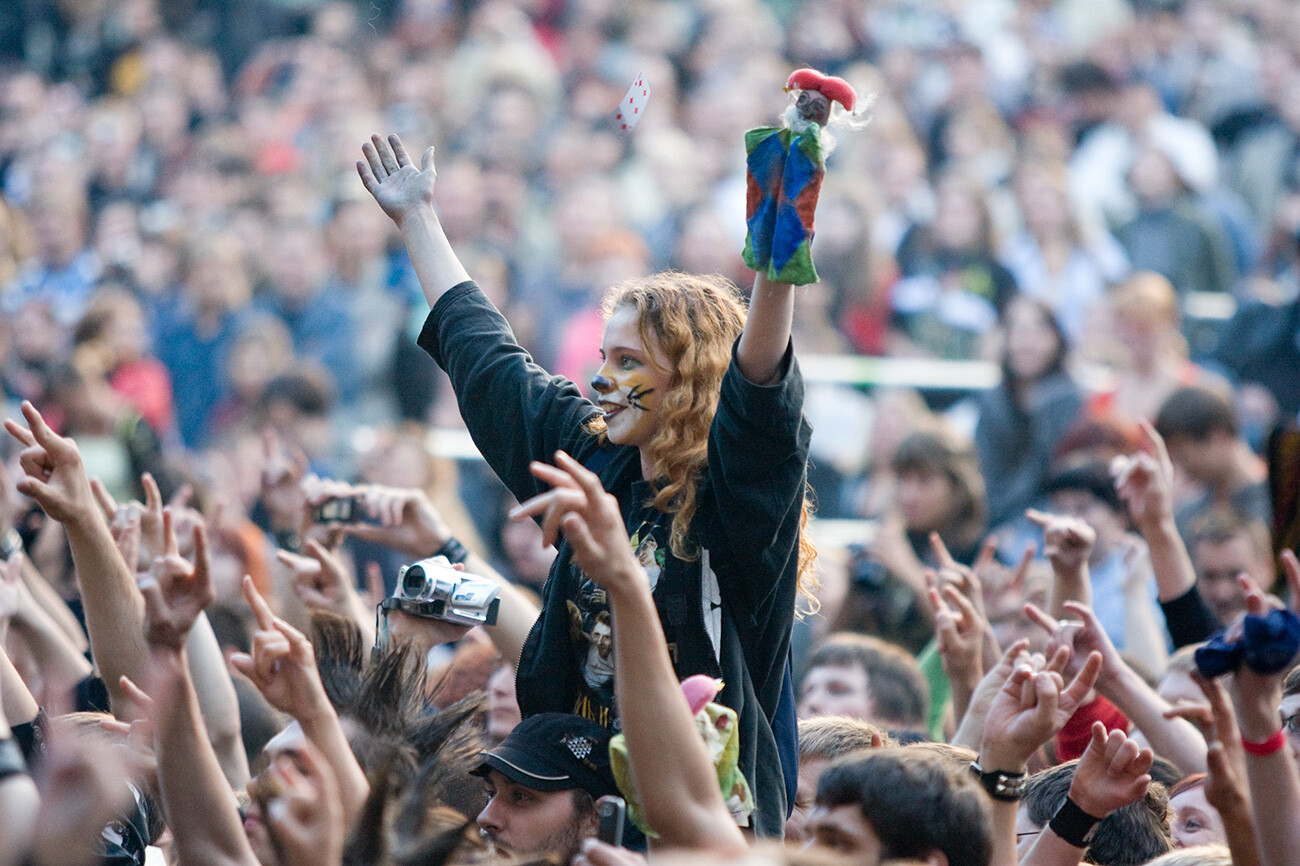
[785,165]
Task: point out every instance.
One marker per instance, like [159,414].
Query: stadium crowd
[1021,592]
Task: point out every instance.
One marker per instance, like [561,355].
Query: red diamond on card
[637,96]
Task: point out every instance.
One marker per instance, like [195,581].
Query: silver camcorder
[432,588]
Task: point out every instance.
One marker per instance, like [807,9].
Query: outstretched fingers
[19,432]
[262,612]
[1084,680]
[399,150]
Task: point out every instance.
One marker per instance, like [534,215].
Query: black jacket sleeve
[515,411]
[1189,619]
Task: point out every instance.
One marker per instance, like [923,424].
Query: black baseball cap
[554,752]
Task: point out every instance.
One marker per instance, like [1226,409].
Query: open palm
[392,178]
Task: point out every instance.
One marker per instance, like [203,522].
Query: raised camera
[432,588]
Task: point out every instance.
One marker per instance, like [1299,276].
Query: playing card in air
[633,104]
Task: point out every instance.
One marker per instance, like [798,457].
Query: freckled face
[631,382]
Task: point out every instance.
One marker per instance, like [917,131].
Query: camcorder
[432,589]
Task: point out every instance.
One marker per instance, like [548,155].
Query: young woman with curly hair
[697,431]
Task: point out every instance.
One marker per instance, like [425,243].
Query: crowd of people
[748,612]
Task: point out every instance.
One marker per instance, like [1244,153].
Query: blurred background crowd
[1071,209]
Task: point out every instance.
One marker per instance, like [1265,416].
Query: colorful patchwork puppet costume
[718,726]
[785,166]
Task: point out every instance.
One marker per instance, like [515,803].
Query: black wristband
[1072,824]
[453,550]
[1008,787]
[11,759]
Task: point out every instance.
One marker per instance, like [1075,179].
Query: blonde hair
[695,321]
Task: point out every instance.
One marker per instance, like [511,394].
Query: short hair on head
[1165,772]
[831,737]
[1197,855]
[1188,783]
[959,756]
[915,802]
[1195,413]
[1129,836]
[899,691]
[1222,524]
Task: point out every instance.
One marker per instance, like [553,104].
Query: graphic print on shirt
[591,627]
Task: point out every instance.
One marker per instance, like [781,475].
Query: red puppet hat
[834,89]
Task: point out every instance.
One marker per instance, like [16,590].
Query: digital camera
[432,588]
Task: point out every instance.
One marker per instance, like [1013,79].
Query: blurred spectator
[1224,545]
[196,332]
[1152,353]
[1022,418]
[64,269]
[114,329]
[1201,433]
[1056,257]
[952,287]
[318,319]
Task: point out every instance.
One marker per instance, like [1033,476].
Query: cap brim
[525,769]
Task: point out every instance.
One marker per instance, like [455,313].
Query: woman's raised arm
[406,195]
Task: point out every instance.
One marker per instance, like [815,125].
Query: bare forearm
[217,701]
[669,762]
[200,805]
[435,262]
[1239,827]
[19,804]
[60,661]
[19,705]
[767,330]
[1144,639]
[326,734]
[1051,850]
[1176,739]
[1169,559]
[1004,833]
[54,607]
[1275,791]
[112,603]
[1069,584]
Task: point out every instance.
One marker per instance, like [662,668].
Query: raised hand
[1145,479]
[959,629]
[306,816]
[1256,696]
[1112,772]
[283,472]
[1082,636]
[394,181]
[319,578]
[1031,707]
[1067,541]
[54,475]
[15,598]
[1226,788]
[283,664]
[590,518]
[400,517]
[175,591]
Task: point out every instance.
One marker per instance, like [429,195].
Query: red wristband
[1267,747]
